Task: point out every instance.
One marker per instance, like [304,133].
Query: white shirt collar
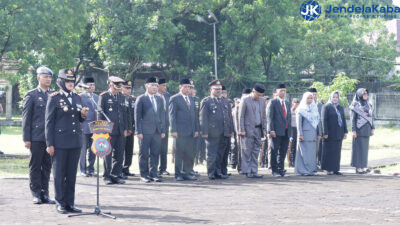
[41,89]
[64,92]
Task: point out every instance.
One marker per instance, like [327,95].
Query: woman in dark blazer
[334,129]
[64,114]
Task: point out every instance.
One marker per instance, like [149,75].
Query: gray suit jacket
[304,128]
[247,116]
[276,119]
[147,121]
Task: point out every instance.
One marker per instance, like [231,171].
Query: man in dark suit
[162,92]
[150,129]
[216,127]
[128,140]
[89,98]
[278,122]
[112,103]
[200,145]
[33,120]
[184,128]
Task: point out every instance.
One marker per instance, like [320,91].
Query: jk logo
[310,10]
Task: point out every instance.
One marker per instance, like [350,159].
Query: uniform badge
[65,108]
[40,99]
[110,109]
[110,100]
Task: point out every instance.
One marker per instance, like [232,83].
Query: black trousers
[163,153]
[65,165]
[86,150]
[292,155]
[266,153]
[128,153]
[225,155]
[215,151]
[184,155]
[149,149]
[113,161]
[39,168]
[233,155]
[279,147]
[200,149]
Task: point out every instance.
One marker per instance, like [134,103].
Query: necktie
[154,104]
[69,97]
[284,113]
[187,102]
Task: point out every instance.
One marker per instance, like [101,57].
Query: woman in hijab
[363,127]
[334,129]
[64,114]
[307,119]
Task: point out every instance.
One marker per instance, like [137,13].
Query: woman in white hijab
[307,119]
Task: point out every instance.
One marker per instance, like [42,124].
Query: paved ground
[350,199]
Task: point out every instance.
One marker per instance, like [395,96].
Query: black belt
[258,126]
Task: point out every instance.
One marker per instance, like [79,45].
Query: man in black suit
[88,98]
[150,129]
[278,122]
[33,120]
[162,92]
[112,102]
[184,128]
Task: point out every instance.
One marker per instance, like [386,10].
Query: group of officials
[56,130]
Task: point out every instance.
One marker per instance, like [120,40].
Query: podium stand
[101,146]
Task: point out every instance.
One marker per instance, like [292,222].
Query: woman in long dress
[307,119]
[334,130]
[363,127]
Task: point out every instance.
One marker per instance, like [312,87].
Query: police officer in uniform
[217,128]
[88,100]
[64,114]
[34,108]
[112,102]
[128,141]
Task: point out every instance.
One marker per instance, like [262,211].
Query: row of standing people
[321,146]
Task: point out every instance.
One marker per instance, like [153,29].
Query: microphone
[83,86]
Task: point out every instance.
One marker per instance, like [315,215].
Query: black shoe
[129,174]
[61,209]
[164,173]
[194,173]
[155,179]
[145,179]
[72,209]
[122,176]
[249,175]
[234,167]
[46,200]
[179,178]
[256,175]
[188,177]
[92,174]
[211,177]
[221,176]
[108,181]
[37,200]
[117,181]
[84,174]
[338,173]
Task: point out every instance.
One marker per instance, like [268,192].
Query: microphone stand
[97,211]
